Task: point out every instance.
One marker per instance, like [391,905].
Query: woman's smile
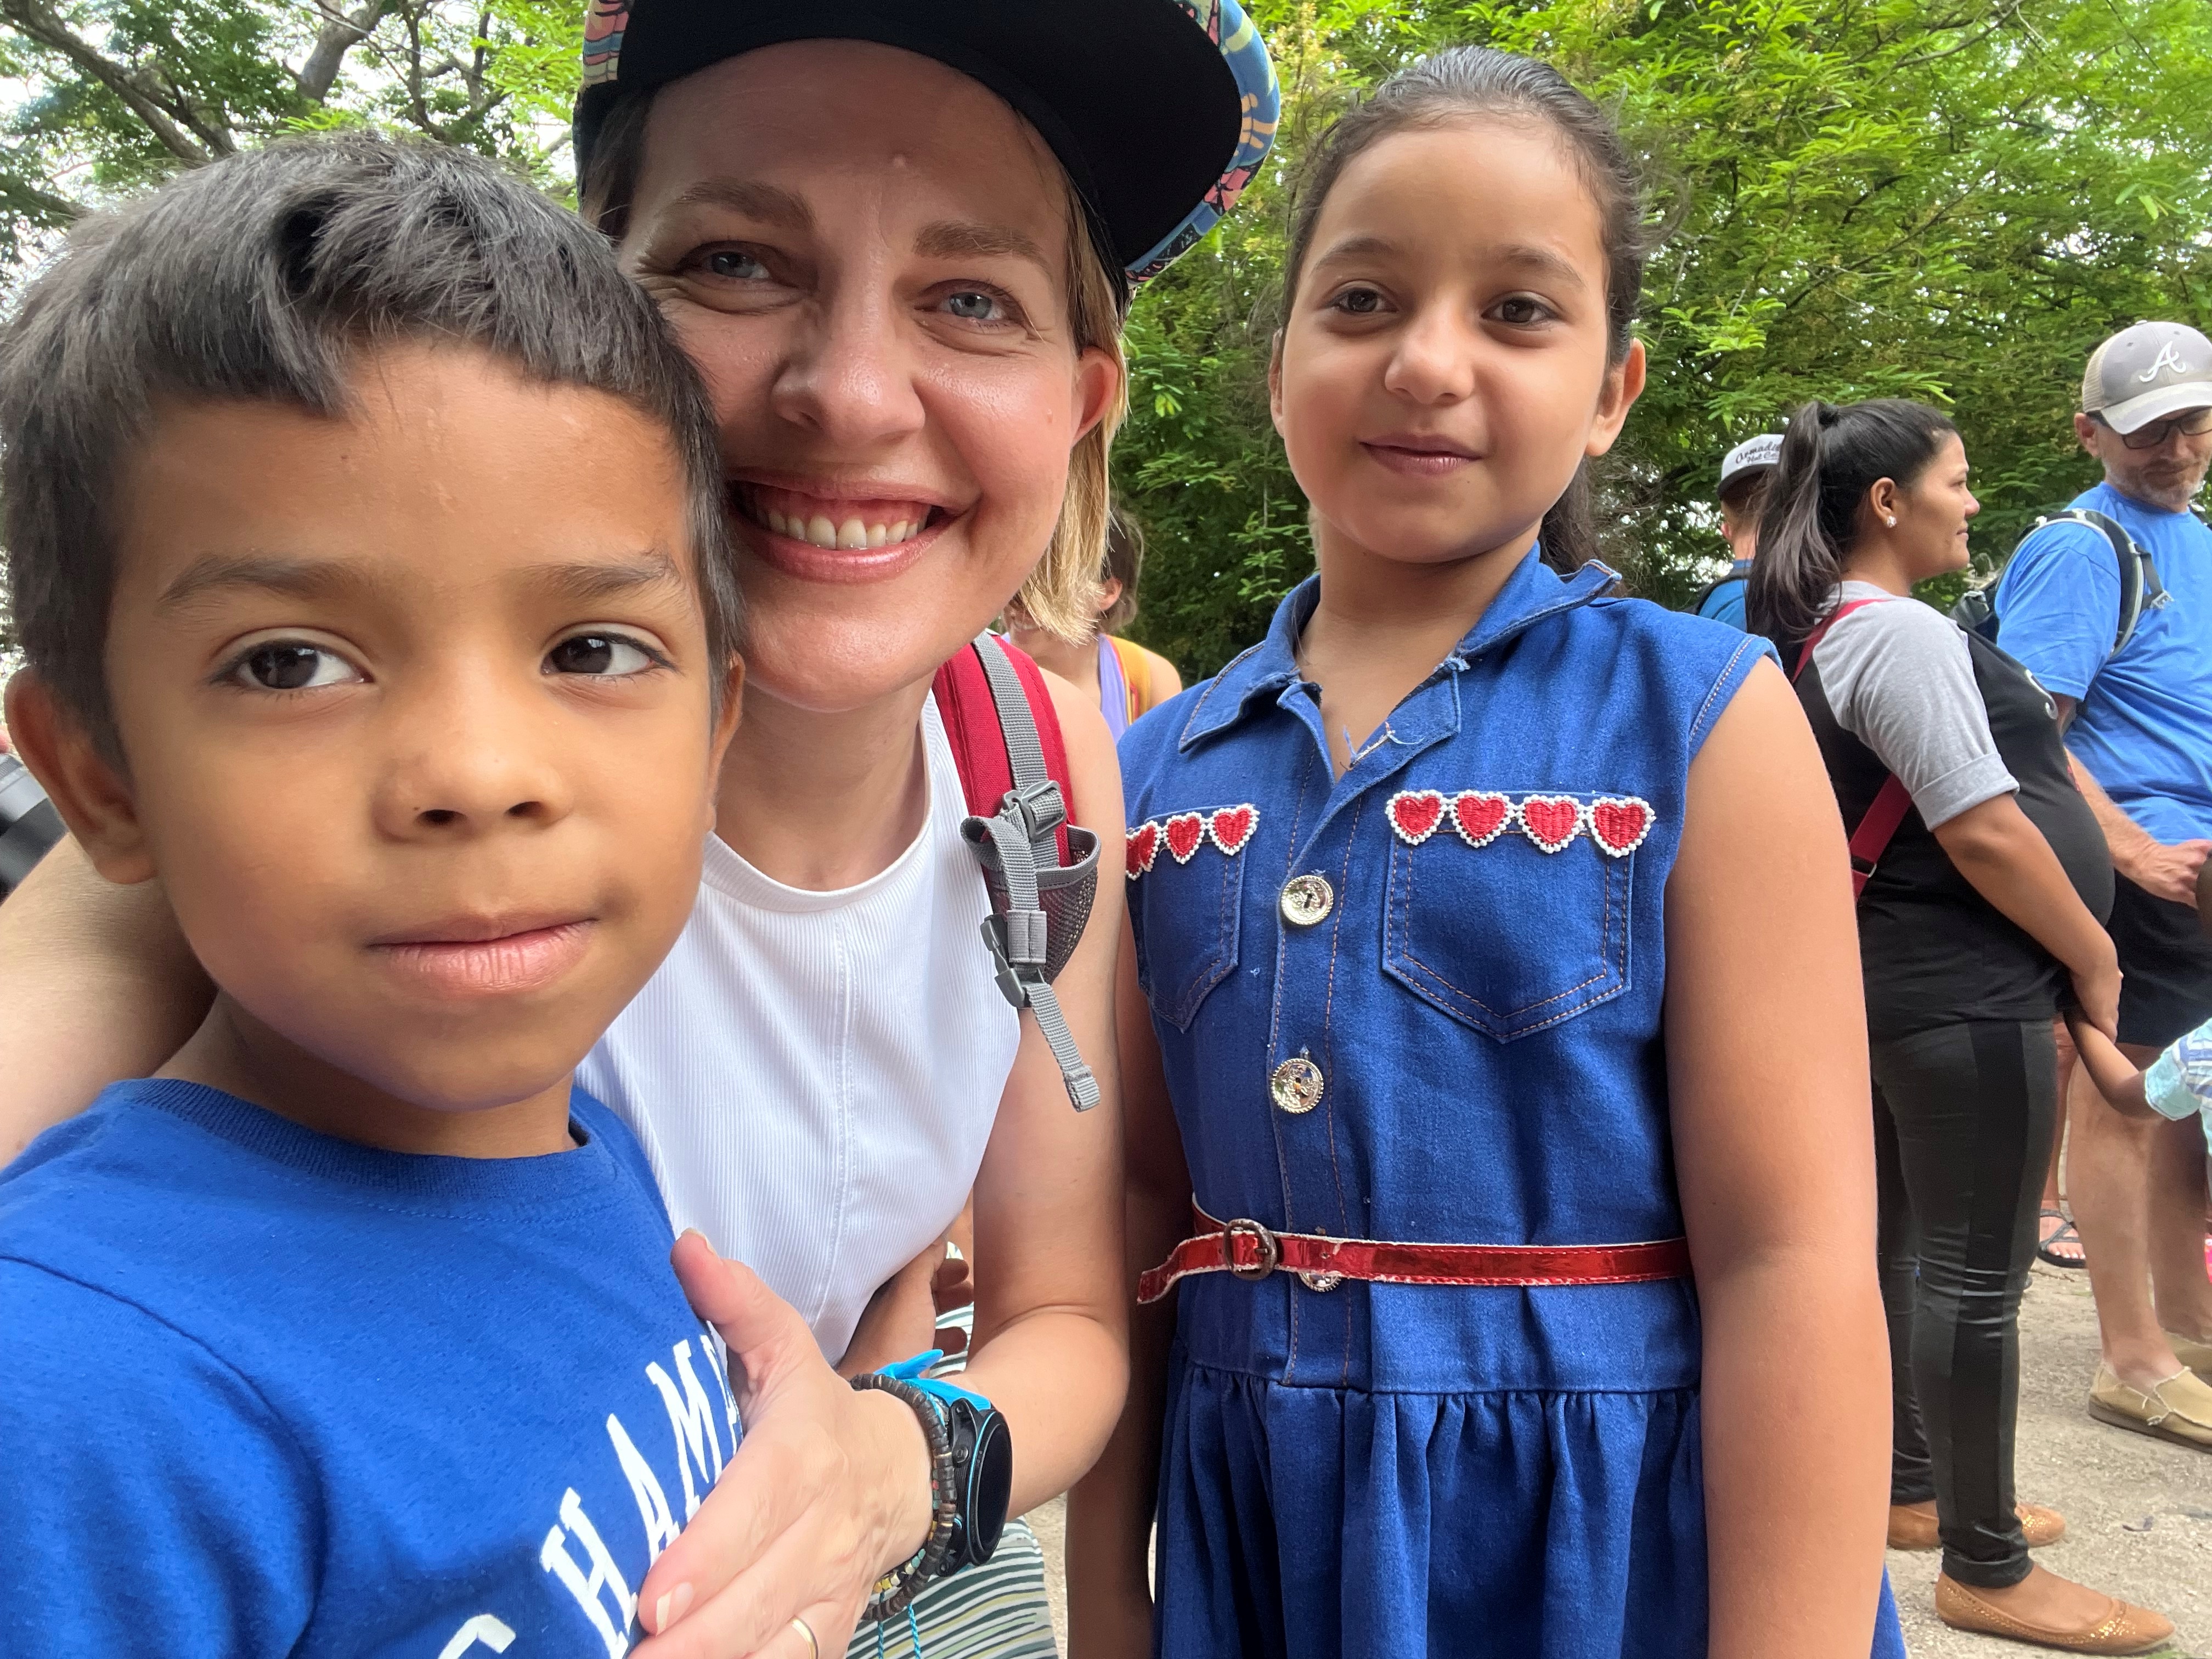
[822,537]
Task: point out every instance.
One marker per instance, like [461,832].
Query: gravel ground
[2138,1511]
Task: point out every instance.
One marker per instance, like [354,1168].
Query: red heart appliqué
[1232,826]
[1415,814]
[1619,823]
[1480,817]
[1551,820]
[1184,831]
[1143,845]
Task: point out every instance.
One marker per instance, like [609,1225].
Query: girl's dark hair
[1125,562]
[1831,455]
[1468,82]
[262,277]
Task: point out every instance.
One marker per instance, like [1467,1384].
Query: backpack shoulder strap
[1012,760]
[1872,834]
[2139,582]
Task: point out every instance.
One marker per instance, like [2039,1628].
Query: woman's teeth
[850,536]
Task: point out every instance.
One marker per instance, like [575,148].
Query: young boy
[364,543]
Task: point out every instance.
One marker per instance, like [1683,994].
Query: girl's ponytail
[1831,455]
[1569,536]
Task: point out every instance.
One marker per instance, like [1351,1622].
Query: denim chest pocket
[1510,912]
[1185,874]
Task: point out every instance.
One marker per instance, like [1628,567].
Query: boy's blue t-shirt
[263,1392]
[2144,729]
[1724,600]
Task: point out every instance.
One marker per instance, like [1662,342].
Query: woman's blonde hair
[1061,593]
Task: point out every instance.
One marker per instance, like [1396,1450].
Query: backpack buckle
[1039,808]
[1011,950]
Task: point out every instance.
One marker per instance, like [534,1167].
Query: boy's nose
[473,768]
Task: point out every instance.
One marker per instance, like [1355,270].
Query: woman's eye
[289,666]
[1521,312]
[607,654]
[1359,301]
[974,306]
[734,265]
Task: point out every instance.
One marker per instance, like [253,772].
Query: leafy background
[1949,199]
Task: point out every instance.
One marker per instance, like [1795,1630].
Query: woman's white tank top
[814,1075]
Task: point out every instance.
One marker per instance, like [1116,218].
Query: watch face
[990,1483]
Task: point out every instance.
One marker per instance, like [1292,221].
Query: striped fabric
[996,1611]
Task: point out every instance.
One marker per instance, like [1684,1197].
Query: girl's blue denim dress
[1423,1002]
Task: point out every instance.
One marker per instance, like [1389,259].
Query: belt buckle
[1271,1253]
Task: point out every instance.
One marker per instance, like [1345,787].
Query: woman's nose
[848,373]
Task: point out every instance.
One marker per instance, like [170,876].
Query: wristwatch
[971,1471]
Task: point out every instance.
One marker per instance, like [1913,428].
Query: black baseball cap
[1160,110]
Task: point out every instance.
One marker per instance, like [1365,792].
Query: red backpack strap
[1871,836]
[970,714]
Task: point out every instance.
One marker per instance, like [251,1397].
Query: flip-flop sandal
[2063,1233]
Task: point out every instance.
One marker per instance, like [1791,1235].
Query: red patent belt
[1250,1250]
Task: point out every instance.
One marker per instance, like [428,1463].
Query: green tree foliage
[1950,199]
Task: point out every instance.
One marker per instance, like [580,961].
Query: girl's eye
[1522,311]
[603,654]
[975,306]
[289,666]
[1359,301]
[734,265]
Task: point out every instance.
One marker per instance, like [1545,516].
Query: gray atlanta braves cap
[2146,372]
[1752,455]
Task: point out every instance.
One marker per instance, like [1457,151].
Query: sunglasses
[2194,424]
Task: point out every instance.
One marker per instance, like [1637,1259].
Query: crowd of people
[570,916]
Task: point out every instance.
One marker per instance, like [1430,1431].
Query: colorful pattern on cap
[1261,99]
[1234,35]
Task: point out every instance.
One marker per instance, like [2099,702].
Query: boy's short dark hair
[260,278]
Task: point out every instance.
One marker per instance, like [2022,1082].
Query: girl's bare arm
[96,984]
[1767,1053]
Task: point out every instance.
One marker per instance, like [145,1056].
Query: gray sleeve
[1899,678]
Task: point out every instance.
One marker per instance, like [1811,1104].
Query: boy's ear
[1624,384]
[90,794]
[725,727]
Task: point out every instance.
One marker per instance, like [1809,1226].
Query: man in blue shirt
[2139,727]
[1745,470]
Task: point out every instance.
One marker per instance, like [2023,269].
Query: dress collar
[1533,591]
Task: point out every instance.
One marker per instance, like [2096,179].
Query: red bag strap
[970,714]
[1871,836]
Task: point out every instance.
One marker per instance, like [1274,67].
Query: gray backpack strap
[1016,846]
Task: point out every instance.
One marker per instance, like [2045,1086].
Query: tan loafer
[1915,1529]
[2121,1628]
[2197,1356]
[2179,1409]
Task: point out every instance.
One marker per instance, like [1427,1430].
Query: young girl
[1128,681]
[1473,1037]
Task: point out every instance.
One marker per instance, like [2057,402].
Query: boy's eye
[607,654]
[291,666]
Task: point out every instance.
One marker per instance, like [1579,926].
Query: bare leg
[2052,1216]
[2183,1291]
[2108,1177]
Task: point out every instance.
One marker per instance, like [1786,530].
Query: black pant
[1963,1116]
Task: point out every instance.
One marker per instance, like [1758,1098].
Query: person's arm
[2113,1072]
[2165,872]
[2005,858]
[830,1488]
[1109,1513]
[1767,1062]
[96,984]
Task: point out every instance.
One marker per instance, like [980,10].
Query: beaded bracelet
[899,1587]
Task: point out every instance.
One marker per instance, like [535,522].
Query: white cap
[1752,455]
[2147,373]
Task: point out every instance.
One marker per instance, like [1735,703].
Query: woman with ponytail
[1980,914]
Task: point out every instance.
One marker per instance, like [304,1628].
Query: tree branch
[38,20]
[340,34]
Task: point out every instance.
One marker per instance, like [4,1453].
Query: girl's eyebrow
[1525,256]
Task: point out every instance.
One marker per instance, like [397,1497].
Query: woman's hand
[829,1489]
[2097,989]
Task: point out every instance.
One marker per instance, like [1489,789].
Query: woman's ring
[813,1647]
